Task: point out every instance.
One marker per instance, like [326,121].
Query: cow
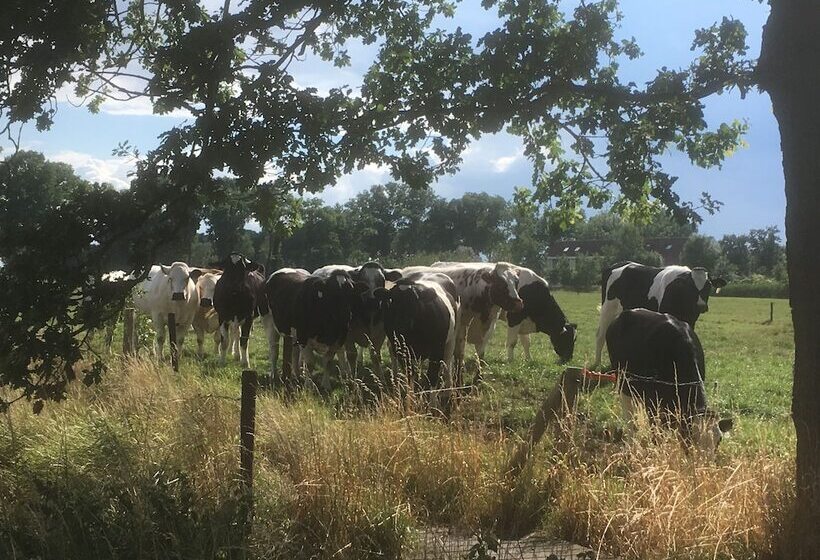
[483,289]
[541,313]
[664,370]
[169,289]
[367,323]
[284,292]
[239,297]
[323,320]
[679,290]
[420,315]
[206,320]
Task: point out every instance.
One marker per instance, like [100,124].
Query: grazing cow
[367,322]
[239,297]
[541,313]
[284,292]
[679,290]
[483,289]
[420,314]
[323,320]
[206,320]
[664,371]
[169,289]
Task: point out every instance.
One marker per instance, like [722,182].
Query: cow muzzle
[177,296]
[206,302]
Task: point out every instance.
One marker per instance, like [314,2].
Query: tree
[701,250]
[788,71]
[735,249]
[541,74]
[524,244]
[765,250]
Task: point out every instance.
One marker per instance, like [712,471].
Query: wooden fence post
[172,341]
[558,402]
[129,333]
[247,424]
[771,312]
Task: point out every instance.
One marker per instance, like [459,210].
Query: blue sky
[750,183]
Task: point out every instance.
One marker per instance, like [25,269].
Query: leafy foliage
[550,77]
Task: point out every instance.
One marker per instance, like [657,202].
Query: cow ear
[726,424]
[165,269]
[574,326]
[392,274]
[195,274]
[718,283]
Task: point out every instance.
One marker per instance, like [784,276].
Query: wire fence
[442,544]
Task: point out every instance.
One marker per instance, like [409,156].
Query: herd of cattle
[429,313]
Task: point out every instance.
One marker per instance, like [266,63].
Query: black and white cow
[541,313]
[284,292]
[664,370]
[420,314]
[323,320]
[483,290]
[682,291]
[367,322]
[239,297]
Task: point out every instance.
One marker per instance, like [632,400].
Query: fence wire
[441,544]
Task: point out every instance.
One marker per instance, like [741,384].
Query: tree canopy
[547,74]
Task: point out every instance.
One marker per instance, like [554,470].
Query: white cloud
[109,170]
[352,184]
[501,164]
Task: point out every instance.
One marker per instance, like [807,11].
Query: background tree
[701,250]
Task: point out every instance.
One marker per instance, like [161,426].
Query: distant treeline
[400,226]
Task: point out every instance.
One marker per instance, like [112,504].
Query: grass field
[145,464]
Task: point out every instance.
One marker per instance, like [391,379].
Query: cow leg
[288,366]
[224,332]
[375,348]
[609,312]
[273,343]
[160,322]
[525,345]
[234,338]
[461,342]
[217,339]
[512,338]
[200,342]
[244,337]
[351,355]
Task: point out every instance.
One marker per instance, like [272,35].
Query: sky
[750,183]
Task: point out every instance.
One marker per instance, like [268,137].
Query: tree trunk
[789,70]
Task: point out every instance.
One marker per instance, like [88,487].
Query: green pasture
[748,364]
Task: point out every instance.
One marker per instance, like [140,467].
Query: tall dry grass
[145,466]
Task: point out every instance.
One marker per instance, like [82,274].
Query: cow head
[563,342]
[703,286]
[178,275]
[503,282]
[206,285]
[542,309]
[326,306]
[707,430]
[400,304]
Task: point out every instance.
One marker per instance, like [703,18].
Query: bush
[756,286]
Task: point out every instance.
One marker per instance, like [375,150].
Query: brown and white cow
[206,320]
